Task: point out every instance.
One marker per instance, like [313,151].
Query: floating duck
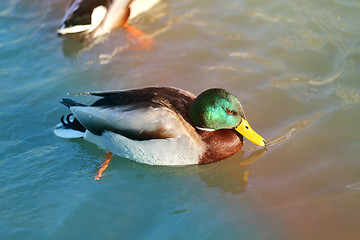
[161,125]
[93,18]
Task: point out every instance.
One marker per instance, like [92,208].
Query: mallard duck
[161,125]
[93,18]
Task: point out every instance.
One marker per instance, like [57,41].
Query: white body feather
[114,18]
[138,7]
[63,132]
[181,150]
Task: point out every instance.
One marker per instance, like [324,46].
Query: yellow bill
[245,130]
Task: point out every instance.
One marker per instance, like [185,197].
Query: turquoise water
[294,65]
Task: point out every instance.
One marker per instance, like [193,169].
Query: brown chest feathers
[220,144]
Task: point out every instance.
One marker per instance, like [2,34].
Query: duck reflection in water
[231,175]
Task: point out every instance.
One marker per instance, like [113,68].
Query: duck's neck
[220,144]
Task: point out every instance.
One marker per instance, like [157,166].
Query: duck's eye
[230,112]
[247,127]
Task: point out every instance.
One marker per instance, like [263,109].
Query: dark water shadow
[230,175]
[72,46]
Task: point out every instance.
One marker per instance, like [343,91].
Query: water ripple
[349,95]
[293,80]
[255,58]
[267,17]
[228,68]
[354,186]
[288,132]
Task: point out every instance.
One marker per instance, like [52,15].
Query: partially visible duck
[93,18]
[161,125]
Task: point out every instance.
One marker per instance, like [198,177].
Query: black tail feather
[74,124]
[71,103]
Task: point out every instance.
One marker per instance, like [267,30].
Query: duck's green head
[219,109]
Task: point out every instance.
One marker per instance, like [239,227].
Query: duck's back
[138,114]
[173,98]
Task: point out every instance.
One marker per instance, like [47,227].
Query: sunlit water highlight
[293,64]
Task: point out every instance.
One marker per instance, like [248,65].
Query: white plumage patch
[75,29]
[206,129]
[63,132]
[139,6]
[97,16]
[177,151]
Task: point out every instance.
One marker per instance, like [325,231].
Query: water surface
[295,66]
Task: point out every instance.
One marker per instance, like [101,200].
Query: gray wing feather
[138,124]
